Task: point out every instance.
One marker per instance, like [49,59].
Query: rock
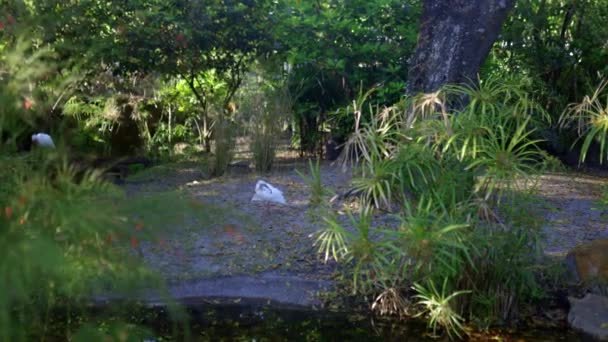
[269,288]
[590,316]
[589,261]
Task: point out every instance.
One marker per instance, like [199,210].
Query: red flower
[27,104]
[8,212]
[1,25]
[134,242]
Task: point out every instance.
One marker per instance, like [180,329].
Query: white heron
[43,139]
[267,193]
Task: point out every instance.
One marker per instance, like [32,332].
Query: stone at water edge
[590,316]
[589,261]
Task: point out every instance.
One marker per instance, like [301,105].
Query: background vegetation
[179,79]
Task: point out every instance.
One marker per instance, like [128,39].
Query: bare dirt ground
[254,246]
[573,215]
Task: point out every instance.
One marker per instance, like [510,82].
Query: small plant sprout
[438,307]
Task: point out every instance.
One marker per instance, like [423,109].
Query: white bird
[268,193]
[43,139]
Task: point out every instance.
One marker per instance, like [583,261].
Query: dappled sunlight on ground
[233,236]
[571,212]
[240,236]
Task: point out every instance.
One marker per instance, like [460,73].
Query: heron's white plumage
[43,139]
[266,192]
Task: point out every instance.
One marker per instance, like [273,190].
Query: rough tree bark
[454,40]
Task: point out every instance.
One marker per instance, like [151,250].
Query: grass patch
[164,171]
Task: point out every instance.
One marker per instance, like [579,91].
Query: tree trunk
[454,40]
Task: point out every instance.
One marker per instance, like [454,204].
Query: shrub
[65,235]
[590,117]
[266,104]
[456,179]
[265,131]
[223,145]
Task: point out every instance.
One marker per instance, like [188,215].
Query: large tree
[455,38]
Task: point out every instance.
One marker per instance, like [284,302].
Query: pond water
[245,322]
[238,323]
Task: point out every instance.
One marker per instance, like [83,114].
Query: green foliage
[171,117]
[96,118]
[174,37]
[66,235]
[69,240]
[591,118]
[392,166]
[451,165]
[266,106]
[264,150]
[377,186]
[317,190]
[456,179]
[331,239]
[554,43]
[436,304]
[433,238]
[335,47]
[223,147]
[366,252]
[124,50]
[504,159]
[417,168]
[113,331]
[501,275]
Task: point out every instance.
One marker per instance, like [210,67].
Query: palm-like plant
[437,305]
[499,96]
[376,184]
[505,158]
[468,137]
[486,98]
[332,239]
[317,190]
[366,253]
[425,107]
[376,139]
[432,238]
[591,119]
[416,168]
[444,168]
[357,145]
